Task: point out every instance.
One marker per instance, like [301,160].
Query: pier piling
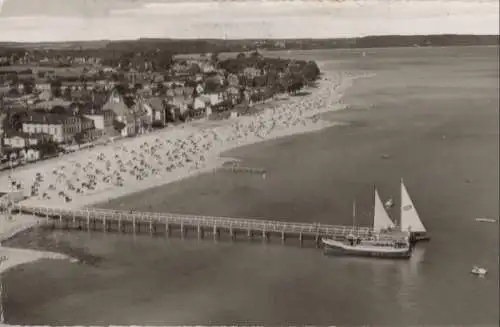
[133,225]
[183,230]
[231,233]
[216,233]
[317,239]
[200,232]
[265,235]
[167,229]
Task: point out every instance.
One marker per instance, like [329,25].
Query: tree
[58,110]
[169,116]
[55,88]
[241,56]
[138,86]
[118,125]
[160,89]
[67,94]
[79,138]
[259,81]
[255,55]
[29,86]
[126,60]
[194,69]
[47,148]
[296,82]
[13,92]
[163,61]
[214,57]
[211,85]
[311,71]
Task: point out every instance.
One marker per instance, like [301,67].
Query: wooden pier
[167,224]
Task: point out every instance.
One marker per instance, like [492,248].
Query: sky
[75,20]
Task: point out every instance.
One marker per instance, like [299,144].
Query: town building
[62,127]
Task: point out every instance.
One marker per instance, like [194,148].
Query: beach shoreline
[305,111]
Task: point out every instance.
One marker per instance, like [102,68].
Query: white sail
[381,219]
[410,220]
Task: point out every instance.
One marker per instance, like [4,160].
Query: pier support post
[301,238]
[120,224]
[150,225]
[88,221]
[104,224]
[249,233]
[60,221]
[317,239]
[183,231]
[133,225]
[264,235]
[74,219]
[215,233]
[47,216]
[283,236]
[200,231]
[167,229]
[231,233]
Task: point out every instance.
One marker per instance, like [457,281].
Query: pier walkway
[165,223]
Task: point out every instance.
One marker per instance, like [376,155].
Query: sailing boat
[410,220]
[372,247]
[381,220]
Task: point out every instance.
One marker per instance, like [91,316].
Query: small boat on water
[486,220]
[479,271]
[394,247]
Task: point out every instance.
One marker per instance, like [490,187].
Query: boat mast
[353,215]
[401,204]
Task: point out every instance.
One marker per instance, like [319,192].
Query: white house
[30,154]
[215,98]
[18,140]
[122,112]
[201,102]
[15,142]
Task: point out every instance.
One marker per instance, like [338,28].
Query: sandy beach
[11,257]
[132,165]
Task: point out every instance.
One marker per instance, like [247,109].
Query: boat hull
[371,254]
[341,250]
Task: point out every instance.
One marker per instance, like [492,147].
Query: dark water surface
[417,97]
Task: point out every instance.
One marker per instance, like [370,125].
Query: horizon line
[243,39]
